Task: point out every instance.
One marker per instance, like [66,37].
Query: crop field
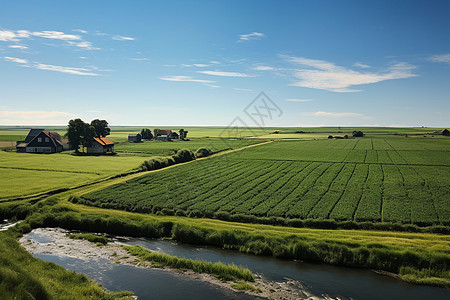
[393,179]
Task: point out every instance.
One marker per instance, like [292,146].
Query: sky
[200,63]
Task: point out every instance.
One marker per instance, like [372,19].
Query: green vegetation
[222,271]
[24,277]
[358,180]
[93,238]
[424,253]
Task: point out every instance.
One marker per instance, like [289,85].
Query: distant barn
[135,138]
[101,145]
[40,141]
[166,135]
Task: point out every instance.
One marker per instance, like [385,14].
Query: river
[318,281]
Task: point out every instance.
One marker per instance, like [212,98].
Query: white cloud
[195,65]
[251,36]
[74,71]
[16,60]
[225,74]
[56,35]
[361,65]
[185,79]
[71,39]
[263,68]
[445,58]
[21,47]
[8,36]
[299,100]
[336,115]
[123,38]
[20,117]
[328,76]
[85,45]
[213,86]
[80,30]
[214,62]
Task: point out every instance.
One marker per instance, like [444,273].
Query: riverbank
[55,241]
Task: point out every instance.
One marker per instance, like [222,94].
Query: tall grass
[220,270]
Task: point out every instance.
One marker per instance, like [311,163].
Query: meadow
[376,179]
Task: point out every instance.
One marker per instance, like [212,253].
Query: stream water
[319,280]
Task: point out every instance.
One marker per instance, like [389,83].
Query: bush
[357,134]
[203,152]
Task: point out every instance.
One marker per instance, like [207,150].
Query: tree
[155,132]
[146,134]
[79,133]
[183,134]
[101,128]
[358,134]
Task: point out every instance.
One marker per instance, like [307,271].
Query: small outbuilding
[101,146]
[445,132]
[135,138]
[166,135]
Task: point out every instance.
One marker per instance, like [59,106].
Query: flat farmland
[378,179]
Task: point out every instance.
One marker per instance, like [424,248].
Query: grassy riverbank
[24,277]
[416,257]
[220,270]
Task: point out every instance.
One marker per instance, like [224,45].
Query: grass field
[379,179]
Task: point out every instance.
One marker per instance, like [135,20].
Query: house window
[39,140]
[47,140]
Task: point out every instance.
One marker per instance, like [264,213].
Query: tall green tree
[146,134]
[79,133]
[183,134]
[101,128]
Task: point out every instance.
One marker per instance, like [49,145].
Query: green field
[379,179]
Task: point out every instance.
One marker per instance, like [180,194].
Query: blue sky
[181,63]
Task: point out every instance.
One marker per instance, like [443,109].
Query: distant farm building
[445,132]
[40,141]
[101,146]
[166,135]
[135,138]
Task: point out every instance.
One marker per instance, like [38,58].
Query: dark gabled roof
[163,132]
[32,134]
[103,141]
[52,139]
[134,135]
[55,135]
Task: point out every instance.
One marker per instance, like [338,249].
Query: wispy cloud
[299,100]
[263,68]
[251,36]
[214,62]
[319,74]
[444,58]
[361,65]
[68,70]
[337,115]
[123,38]
[80,30]
[195,65]
[21,47]
[16,60]
[20,117]
[70,39]
[225,74]
[185,79]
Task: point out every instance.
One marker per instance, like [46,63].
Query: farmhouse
[166,135]
[101,145]
[40,141]
[135,138]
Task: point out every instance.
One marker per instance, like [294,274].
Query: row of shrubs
[181,156]
[292,247]
[278,221]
